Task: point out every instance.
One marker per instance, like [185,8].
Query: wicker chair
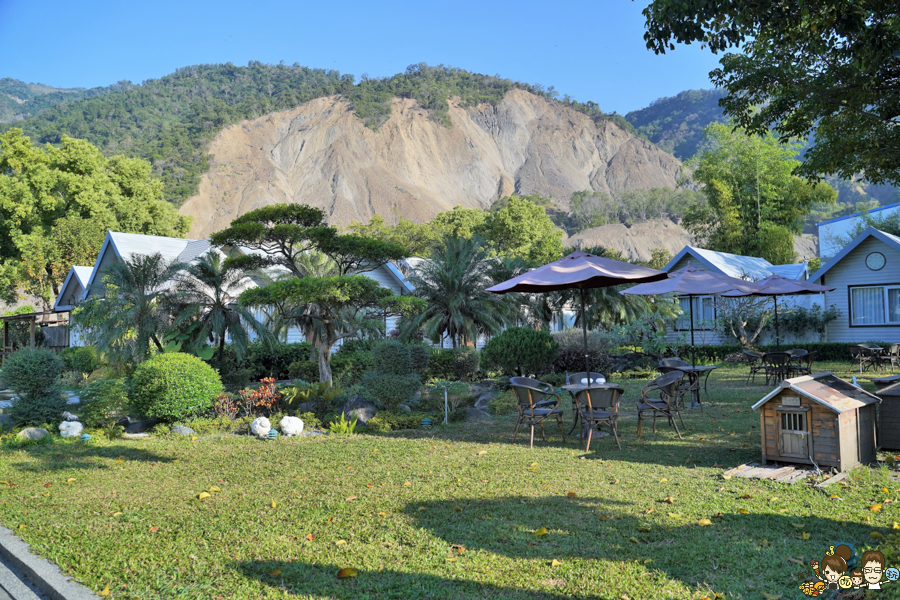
[690,385]
[891,357]
[670,391]
[795,366]
[599,406]
[536,402]
[777,365]
[755,361]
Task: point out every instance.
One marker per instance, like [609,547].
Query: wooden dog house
[889,419]
[819,419]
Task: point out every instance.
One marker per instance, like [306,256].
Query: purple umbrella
[776,285]
[691,282]
[581,271]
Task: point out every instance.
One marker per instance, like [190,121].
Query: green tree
[523,229]
[417,239]
[327,309]
[204,297]
[57,203]
[459,222]
[452,283]
[824,67]
[755,205]
[128,309]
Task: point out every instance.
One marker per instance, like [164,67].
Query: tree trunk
[324,348]
[221,349]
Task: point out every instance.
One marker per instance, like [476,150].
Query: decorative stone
[305,407]
[260,427]
[70,429]
[33,433]
[476,414]
[359,409]
[69,416]
[141,426]
[273,434]
[181,430]
[291,426]
[426,422]
[85,437]
[404,408]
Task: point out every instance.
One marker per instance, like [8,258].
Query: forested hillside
[169,121]
[676,124]
[20,100]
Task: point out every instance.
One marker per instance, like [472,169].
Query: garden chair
[777,365]
[870,356]
[805,365]
[669,388]
[795,366]
[599,406]
[755,361]
[891,357]
[691,385]
[536,402]
[856,355]
[581,378]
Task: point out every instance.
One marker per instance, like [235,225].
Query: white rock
[69,429]
[33,433]
[291,426]
[69,416]
[260,427]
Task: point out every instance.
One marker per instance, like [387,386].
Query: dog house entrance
[793,432]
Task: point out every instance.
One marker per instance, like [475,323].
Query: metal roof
[891,240]
[78,276]
[736,265]
[825,389]
[859,214]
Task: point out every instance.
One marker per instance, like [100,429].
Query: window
[875,305]
[704,313]
[793,422]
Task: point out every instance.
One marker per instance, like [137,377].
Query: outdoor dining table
[573,389]
[695,373]
[870,355]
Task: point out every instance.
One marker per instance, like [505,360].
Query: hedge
[823,350]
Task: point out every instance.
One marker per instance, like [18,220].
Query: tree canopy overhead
[821,67]
[56,204]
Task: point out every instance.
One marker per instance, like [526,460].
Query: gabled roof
[733,265]
[799,271]
[826,389]
[75,284]
[859,214]
[891,240]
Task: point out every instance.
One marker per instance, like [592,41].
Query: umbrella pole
[777,341]
[587,356]
[693,352]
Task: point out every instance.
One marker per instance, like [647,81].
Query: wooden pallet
[780,474]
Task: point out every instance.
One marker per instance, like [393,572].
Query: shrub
[34,374]
[395,421]
[38,411]
[391,357]
[457,364]
[262,361]
[174,385]
[82,359]
[504,403]
[598,341]
[348,366]
[102,402]
[263,399]
[320,395]
[304,370]
[391,390]
[310,421]
[520,351]
[571,360]
[342,426]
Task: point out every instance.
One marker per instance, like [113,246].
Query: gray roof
[826,389]
[75,284]
[736,265]
[891,240]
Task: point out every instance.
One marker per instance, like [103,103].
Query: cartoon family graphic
[834,573]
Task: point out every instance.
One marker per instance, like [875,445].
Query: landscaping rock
[476,414]
[305,407]
[140,426]
[291,426]
[484,398]
[404,408]
[181,430]
[359,409]
[70,429]
[260,427]
[135,436]
[33,433]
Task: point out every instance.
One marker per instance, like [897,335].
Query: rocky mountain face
[413,167]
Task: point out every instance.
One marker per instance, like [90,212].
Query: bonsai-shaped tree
[327,309]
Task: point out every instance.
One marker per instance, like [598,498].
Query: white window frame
[699,324]
[885,290]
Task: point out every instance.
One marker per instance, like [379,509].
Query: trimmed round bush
[82,359]
[33,374]
[174,385]
[102,402]
[520,351]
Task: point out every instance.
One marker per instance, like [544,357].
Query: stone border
[44,575]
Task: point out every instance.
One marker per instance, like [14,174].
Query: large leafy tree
[522,228]
[128,308]
[755,205]
[56,204]
[825,67]
[453,283]
[329,308]
[205,294]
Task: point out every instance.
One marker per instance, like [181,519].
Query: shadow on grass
[602,547]
[64,456]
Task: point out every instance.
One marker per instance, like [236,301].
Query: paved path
[14,586]
[24,576]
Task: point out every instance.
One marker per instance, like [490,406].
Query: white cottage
[866,275]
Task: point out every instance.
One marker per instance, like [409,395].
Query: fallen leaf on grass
[804,535]
[340,542]
[746,497]
[482,453]
[458,547]
[450,559]
[555,563]
[422,509]
[153,529]
[457,508]
[896,525]
[347,573]
[663,480]
[634,540]
[117,514]
[604,518]
[22,526]
[351,498]
[382,514]
[370,485]
[834,497]
[310,537]
[704,522]
[674,515]
[726,476]
[796,561]
[669,500]
[203,495]
[541,531]
[798,525]
[275,572]
[406,483]
[70,480]
[649,510]
[643,529]
[214,489]
[783,510]
[875,507]
[572,495]
[274,504]
[104,591]
[771,596]
[743,511]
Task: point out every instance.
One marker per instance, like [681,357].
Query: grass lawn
[443,513]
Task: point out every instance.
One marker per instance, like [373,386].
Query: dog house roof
[830,391]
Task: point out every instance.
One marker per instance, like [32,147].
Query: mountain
[20,100]
[676,124]
[413,165]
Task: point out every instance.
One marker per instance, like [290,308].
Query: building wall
[850,271]
[831,234]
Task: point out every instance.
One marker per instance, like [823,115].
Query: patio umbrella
[776,285]
[691,282]
[581,271]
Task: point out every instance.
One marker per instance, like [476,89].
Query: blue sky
[590,50]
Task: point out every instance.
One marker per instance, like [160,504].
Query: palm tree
[127,309]
[206,293]
[453,282]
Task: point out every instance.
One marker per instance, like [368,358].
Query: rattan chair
[670,391]
[690,384]
[755,361]
[891,357]
[599,406]
[536,402]
[777,365]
